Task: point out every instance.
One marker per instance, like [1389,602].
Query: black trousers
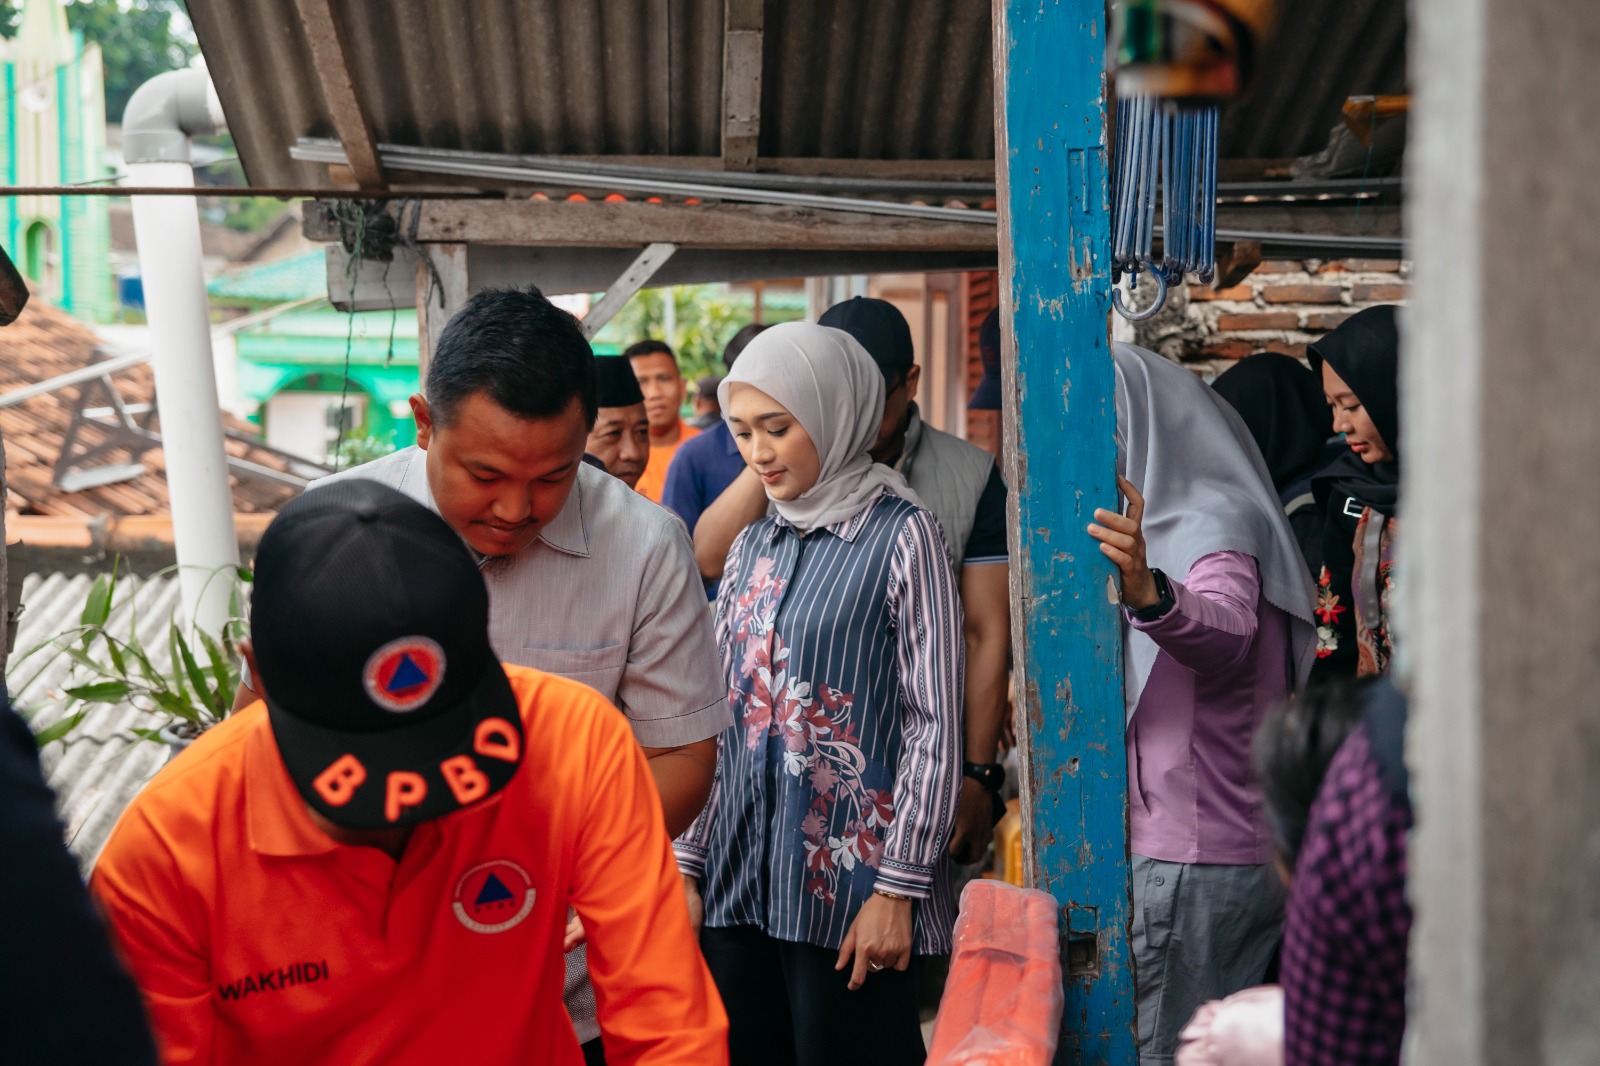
[787,1006]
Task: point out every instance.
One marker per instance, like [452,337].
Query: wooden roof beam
[741,82]
[330,55]
[597,224]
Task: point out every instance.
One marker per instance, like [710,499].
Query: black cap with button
[370,626]
[879,327]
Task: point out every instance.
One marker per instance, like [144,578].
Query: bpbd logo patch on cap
[404,674]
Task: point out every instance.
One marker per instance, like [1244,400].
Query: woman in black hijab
[1358,495]
[1282,406]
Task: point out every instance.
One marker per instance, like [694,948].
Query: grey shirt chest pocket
[599,668]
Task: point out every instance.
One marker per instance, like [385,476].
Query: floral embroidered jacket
[1353,614]
[844,656]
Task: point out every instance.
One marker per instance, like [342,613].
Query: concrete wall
[1502,531]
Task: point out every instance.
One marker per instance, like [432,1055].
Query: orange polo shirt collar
[275,816]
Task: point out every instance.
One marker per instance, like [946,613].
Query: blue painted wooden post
[1060,426]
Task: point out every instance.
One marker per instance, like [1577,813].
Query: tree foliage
[704,320]
[138,39]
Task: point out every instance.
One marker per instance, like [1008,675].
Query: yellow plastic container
[1008,845]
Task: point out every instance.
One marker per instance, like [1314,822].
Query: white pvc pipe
[167,229]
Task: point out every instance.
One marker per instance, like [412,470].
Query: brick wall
[1281,307]
[983,296]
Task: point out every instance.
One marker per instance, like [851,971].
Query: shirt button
[1160,880]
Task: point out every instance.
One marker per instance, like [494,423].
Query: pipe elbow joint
[164,112]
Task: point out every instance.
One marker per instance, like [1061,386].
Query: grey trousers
[1199,933]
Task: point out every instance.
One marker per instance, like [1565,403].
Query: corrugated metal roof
[1321,53]
[102,764]
[893,80]
[45,342]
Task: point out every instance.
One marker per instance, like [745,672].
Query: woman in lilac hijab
[1218,610]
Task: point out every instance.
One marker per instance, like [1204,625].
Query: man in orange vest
[376,863]
[656,367]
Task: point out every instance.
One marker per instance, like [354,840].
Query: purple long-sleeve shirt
[1224,664]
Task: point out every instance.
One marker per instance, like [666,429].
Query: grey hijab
[835,391]
[1206,490]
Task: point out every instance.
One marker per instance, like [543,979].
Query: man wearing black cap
[587,578]
[620,437]
[961,485]
[376,864]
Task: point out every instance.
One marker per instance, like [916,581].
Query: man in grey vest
[961,485]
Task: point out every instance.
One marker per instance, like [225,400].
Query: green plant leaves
[59,730]
[97,608]
[221,695]
[112,665]
[101,692]
[183,658]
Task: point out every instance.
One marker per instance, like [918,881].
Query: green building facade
[53,132]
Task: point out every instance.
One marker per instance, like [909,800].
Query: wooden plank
[741,82]
[559,271]
[438,298]
[1235,262]
[330,55]
[369,284]
[597,224]
[631,280]
[1060,424]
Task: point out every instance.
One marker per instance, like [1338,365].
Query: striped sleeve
[693,845]
[932,661]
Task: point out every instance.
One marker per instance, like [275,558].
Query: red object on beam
[1002,1003]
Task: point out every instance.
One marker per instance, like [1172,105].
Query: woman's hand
[880,937]
[974,826]
[1121,538]
[575,934]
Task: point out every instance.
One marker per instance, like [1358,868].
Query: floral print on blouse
[844,657]
[1365,620]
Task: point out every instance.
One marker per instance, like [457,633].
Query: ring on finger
[875,967]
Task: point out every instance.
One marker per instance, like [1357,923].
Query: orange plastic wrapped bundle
[1002,1004]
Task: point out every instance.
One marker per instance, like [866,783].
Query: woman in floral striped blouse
[819,853]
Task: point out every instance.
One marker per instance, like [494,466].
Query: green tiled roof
[280,281]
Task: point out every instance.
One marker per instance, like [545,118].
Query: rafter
[331,57]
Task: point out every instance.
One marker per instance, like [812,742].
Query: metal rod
[458,164]
[329,150]
[270,192]
[73,377]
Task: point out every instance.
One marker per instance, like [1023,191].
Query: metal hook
[1139,316]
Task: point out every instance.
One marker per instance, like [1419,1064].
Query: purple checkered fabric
[1344,941]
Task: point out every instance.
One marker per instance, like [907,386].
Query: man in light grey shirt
[587,579]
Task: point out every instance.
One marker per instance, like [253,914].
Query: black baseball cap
[370,623]
[616,385]
[879,327]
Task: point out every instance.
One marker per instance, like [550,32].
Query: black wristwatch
[991,777]
[1161,606]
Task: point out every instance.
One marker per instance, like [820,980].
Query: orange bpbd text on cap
[494,738]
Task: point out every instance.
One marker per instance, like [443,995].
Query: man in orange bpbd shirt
[376,864]
[664,390]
